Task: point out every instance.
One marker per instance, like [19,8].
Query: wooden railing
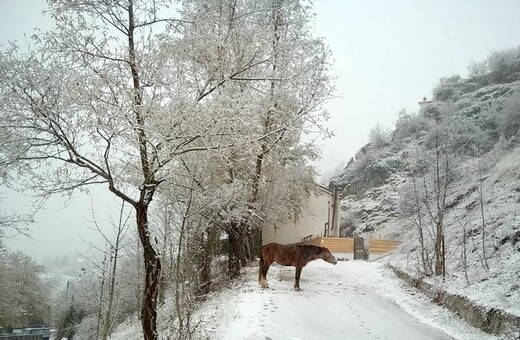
[346,244]
[381,246]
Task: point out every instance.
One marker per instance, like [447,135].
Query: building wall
[316,213]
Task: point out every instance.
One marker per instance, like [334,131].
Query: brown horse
[297,255]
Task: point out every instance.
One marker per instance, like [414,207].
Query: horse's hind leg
[297,278]
[262,272]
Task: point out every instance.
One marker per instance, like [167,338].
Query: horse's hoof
[297,289]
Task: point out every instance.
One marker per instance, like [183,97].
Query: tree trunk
[439,255]
[111,291]
[101,295]
[152,264]
[204,279]
[235,248]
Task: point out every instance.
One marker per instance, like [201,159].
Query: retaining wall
[490,320]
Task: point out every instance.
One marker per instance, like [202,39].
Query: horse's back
[285,255]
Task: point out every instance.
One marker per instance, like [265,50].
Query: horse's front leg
[297,278]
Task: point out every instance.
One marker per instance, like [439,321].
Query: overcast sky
[388,54]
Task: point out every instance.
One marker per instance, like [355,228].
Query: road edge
[490,320]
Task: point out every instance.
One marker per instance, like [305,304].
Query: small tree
[433,169]
[378,136]
[511,121]
[25,297]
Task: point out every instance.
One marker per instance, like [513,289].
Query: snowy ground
[352,300]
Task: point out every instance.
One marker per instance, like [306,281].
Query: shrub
[348,224]
[377,172]
[460,134]
[511,121]
[504,65]
[379,137]
[410,125]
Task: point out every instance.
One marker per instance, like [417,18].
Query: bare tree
[433,170]
[464,253]
[480,189]
[116,246]
[412,209]
[14,224]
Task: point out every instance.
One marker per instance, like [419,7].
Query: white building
[424,104]
[320,217]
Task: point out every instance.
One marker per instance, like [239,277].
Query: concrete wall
[490,320]
[312,221]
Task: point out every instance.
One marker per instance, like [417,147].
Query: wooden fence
[381,246]
[346,244]
[334,244]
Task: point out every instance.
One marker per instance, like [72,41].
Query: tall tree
[268,70]
[98,101]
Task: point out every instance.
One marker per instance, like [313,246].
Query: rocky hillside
[448,172]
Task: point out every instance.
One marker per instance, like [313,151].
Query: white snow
[354,299]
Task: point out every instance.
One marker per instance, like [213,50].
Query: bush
[377,172]
[450,88]
[379,137]
[511,122]
[348,224]
[410,125]
[504,65]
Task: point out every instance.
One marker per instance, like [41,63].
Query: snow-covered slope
[377,214]
[482,217]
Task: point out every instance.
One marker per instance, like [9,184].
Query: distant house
[424,104]
[320,217]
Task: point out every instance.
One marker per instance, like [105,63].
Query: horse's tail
[260,266]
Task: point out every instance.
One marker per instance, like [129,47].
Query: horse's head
[327,256]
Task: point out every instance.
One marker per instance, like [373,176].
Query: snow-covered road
[352,300]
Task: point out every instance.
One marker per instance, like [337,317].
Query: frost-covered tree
[379,136]
[120,91]
[511,121]
[14,224]
[98,100]
[504,65]
[278,102]
[25,296]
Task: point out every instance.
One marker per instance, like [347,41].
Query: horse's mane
[308,249]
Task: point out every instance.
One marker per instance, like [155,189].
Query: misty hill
[449,172]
